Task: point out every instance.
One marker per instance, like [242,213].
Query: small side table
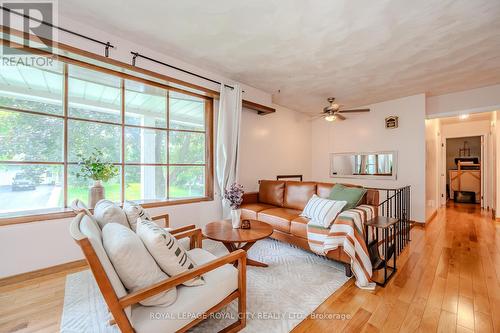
[388,226]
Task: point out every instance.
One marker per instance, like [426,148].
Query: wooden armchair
[203,300]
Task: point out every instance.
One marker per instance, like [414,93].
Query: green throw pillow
[352,195]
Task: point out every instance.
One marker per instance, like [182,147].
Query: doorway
[463,163]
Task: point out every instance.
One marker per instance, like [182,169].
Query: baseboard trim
[42,272]
[433,215]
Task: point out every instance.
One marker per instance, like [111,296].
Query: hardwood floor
[448,280]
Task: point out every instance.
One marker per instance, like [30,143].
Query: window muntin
[104,112]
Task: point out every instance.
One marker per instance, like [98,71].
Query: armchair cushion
[106,211]
[135,266]
[88,227]
[219,284]
[168,253]
[133,211]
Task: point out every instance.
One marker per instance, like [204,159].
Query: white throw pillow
[78,206]
[133,212]
[106,211]
[134,265]
[172,258]
[321,211]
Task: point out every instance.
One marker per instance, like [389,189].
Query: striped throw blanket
[347,231]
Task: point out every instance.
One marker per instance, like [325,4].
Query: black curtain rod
[137,54]
[106,44]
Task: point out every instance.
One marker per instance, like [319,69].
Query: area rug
[278,297]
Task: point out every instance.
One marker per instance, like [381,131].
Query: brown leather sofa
[280,203]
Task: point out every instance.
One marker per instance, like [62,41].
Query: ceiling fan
[332,112]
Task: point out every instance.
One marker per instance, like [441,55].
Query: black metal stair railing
[396,203]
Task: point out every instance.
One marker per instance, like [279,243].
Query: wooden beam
[261,109]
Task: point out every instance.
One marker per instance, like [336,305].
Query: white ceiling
[359,51]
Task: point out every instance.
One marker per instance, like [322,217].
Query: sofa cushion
[323,190]
[271,192]
[134,264]
[249,211]
[297,194]
[298,227]
[278,218]
[321,211]
[219,283]
[353,195]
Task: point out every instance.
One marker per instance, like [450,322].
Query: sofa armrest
[239,255]
[250,197]
[194,234]
[162,217]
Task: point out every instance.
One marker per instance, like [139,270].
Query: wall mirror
[373,165]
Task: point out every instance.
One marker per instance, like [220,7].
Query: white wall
[433,150]
[366,132]
[278,144]
[470,101]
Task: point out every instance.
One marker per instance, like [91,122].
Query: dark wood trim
[279,177]
[209,149]
[43,272]
[261,109]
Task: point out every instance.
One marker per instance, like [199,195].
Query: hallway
[448,280]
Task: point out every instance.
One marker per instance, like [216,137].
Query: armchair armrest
[195,235]
[162,217]
[135,297]
[250,197]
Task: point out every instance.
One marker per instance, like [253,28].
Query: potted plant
[92,167]
[234,195]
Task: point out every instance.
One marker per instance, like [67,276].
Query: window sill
[61,213]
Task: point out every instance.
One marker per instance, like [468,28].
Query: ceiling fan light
[330,118]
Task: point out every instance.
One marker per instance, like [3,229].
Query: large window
[158,138]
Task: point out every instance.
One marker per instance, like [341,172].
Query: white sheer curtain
[228,140]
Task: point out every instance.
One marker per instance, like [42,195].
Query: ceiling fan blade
[355,110]
[339,116]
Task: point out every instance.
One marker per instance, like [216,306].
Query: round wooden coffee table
[233,239]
